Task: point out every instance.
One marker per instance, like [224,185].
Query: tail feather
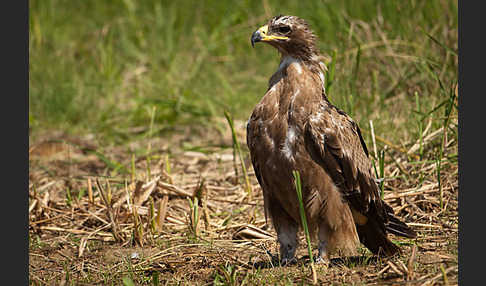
[375,239]
[396,226]
[374,233]
[399,228]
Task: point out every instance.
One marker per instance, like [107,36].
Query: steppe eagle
[295,127]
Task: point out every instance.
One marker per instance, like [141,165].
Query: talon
[322,261]
[287,261]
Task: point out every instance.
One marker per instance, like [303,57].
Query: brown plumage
[295,127]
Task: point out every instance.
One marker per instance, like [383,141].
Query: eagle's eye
[283,29]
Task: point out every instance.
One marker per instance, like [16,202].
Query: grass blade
[439,43]
[236,145]
[330,74]
[298,189]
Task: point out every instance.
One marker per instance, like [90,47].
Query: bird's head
[291,35]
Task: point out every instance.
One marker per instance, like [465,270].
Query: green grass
[101,66]
[237,150]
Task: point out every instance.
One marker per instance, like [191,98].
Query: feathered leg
[337,231]
[323,256]
[286,229]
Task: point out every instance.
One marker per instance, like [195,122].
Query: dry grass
[185,217]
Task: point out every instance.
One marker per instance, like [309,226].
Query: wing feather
[334,141]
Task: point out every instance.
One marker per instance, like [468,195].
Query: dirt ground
[178,212]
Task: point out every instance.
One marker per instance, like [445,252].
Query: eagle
[294,127]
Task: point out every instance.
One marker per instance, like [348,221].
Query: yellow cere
[263,32]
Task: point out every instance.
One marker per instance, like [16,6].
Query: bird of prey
[295,127]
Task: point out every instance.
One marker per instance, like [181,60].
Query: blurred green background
[101,66]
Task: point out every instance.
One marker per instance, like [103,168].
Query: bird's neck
[287,60]
[313,63]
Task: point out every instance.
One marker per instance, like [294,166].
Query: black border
[471,128]
[14,48]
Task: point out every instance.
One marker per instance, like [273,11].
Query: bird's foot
[287,253]
[323,261]
[288,261]
[323,257]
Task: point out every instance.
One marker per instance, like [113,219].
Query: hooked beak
[255,37]
[260,35]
